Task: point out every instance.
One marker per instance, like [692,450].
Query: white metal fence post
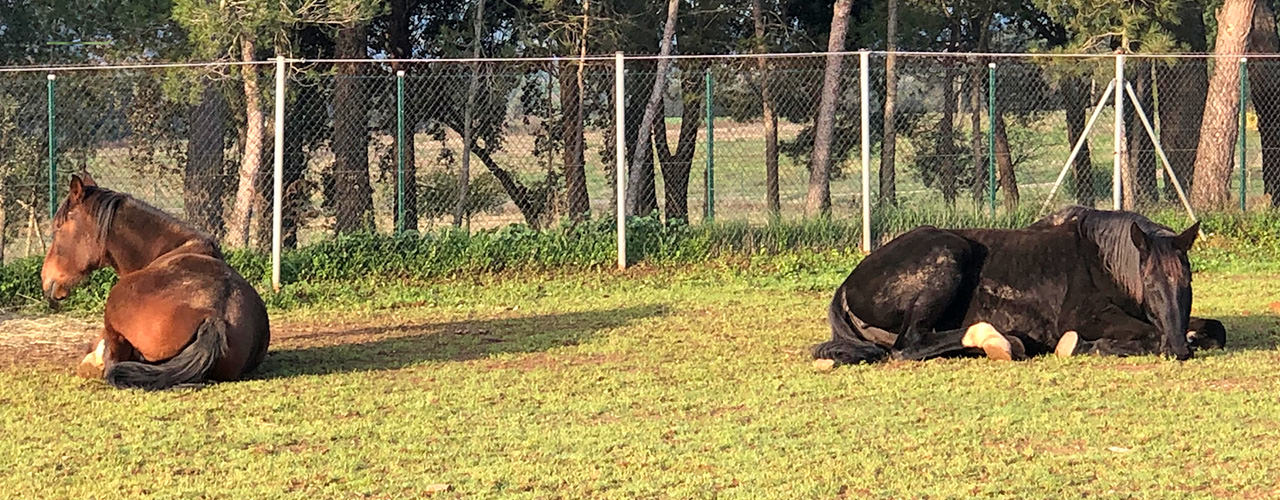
[1118,148]
[620,154]
[277,175]
[864,84]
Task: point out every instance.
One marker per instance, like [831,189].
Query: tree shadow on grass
[391,347]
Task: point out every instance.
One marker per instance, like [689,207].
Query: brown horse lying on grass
[179,314]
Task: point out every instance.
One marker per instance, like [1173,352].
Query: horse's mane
[103,204]
[1110,231]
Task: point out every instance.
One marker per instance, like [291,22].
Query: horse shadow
[1249,332]
[390,347]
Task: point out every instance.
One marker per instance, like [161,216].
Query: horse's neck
[137,238]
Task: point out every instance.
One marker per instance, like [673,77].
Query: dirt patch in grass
[44,340]
[59,341]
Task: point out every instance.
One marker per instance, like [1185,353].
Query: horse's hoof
[88,370]
[998,348]
[992,342]
[92,366]
[824,365]
[1018,351]
[1067,344]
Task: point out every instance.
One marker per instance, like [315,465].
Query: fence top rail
[103,67]
[610,57]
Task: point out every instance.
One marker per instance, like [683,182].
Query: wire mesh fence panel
[1260,188]
[933,158]
[368,149]
[1042,109]
[23,165]
[765,111]
[966,134]
[732,138]
[339,142]
[533,157]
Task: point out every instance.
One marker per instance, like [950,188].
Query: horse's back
[159,307]
[920,269]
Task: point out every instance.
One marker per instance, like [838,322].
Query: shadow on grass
[1253,332]
[397,346]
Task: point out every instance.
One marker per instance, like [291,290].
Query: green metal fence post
[53,153]
[991,137]
[711,151]
[399,152]
[1244,97]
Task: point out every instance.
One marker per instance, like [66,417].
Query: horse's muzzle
[1178,354]
[53,294]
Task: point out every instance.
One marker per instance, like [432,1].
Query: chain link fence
[396,146]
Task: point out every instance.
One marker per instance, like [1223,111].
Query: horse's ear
[1139,238]
[75,193]
[1183,241]
[87,179]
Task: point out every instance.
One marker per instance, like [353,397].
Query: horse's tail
[847,346]
[192,364]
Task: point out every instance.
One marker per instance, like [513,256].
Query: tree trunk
[945,149]
[1264,89]
[4,217]
[402,48]
[262,209]
[351,137]
[819,198]
[639,176]
[1004,166]
[575,173]
[1218,127]
[1184,86]
[468,128]
[676,166]
[889,142]
[1139,184]
[571,92]
[531,206]
[251,162]
[294,197]
[203,183]
[646,194]
[770,120]
[978,143]
[1076,96]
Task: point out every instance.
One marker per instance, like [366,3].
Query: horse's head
[77,247]
[1166,285]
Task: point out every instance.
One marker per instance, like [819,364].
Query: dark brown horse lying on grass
[1094,282]
[179,314]
[1202,333]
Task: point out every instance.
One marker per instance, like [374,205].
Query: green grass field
[658,382]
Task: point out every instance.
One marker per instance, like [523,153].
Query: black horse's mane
[1110,231]
[103,204]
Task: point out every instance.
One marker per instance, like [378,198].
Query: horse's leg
[980,336]
[1113,334]
[943,286]
[93,364]
[1204,333]
[1072,345]
[909,285]
[115,348]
